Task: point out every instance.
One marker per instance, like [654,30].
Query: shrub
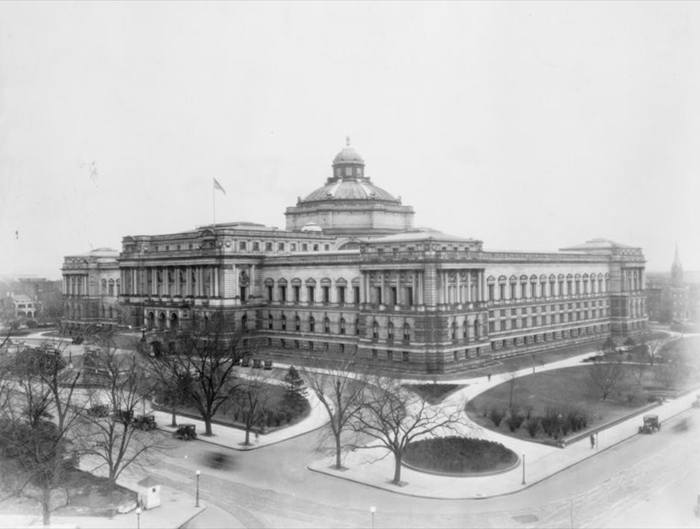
[496,416]
[533,425]
[458,455]
[514,421]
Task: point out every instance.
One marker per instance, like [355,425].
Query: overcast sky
[528,126]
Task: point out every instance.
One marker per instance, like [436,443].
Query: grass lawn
[433,393]
[459,455]
[275,402]
[569,388]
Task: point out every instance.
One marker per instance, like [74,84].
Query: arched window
[312,324]
[111,287]
[326,325]
[284,322]
[375,330]
[297,323]
[342,325]
[406,332]
[390,330]
[269,321]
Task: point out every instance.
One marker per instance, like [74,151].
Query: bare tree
[253,395]
[39,420]
[342,394]
[395,417]
[202,364]
[606,376]
[115,439]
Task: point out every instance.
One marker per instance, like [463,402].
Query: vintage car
[145,422]
[651,424]
[186,432]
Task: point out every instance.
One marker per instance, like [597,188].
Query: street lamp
[372,510]
[196,500]
[523,483]
[138,517]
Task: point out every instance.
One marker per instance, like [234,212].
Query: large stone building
[351,276]
[91,289]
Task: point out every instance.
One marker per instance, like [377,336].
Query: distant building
[19,307]
[673,297]
[91,289]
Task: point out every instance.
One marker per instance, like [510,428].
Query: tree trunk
[207,425]
[397,470]
[247,435]
[46,506]
[337,452]
[173,421]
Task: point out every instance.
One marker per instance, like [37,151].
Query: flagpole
[213,203]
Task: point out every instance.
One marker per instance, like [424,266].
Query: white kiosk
[149,493]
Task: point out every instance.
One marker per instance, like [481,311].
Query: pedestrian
[592,441]
[489,377]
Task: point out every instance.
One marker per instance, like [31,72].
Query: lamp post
[196,498]
[523,483]
[372,510]
[138,517]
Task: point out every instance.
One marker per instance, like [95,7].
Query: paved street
[650,479]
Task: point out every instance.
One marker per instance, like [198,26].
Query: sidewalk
[375,466]
[176,509]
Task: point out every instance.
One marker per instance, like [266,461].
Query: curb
[188,520]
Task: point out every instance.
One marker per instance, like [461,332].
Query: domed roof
[348,155]
[355,189]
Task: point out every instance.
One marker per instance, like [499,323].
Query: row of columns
[75,284]
[384,286]
[632,279]
[197,281]
[470,291]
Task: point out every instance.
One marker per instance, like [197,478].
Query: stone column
[419,291]
[469,286]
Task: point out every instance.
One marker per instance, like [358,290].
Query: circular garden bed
[459,456]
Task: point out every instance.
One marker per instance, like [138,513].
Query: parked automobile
[145,422]
[268,364]
[257,363]
[651,424]
[186,432]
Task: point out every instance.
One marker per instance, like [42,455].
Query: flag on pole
[218,186]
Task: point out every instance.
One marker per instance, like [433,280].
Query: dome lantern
[348,164]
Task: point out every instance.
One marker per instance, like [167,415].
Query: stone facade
[91,287]
[411,301]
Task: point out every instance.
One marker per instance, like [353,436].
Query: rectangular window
[244,294]
[256,246]
[513,291]
[326,247]
[492,326]
[491,289]
[409,296]
[295,293]
[378,291]
[405,356]
[523,290]
[304,247]
[524,322]
[501,292]
[268,246]
[389,355]
[283,293]
[326,294]
[269,293]
[280,246]
[375,355]
[341,294]
[310,294]
[394,298]
[293,247]
[356,294]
